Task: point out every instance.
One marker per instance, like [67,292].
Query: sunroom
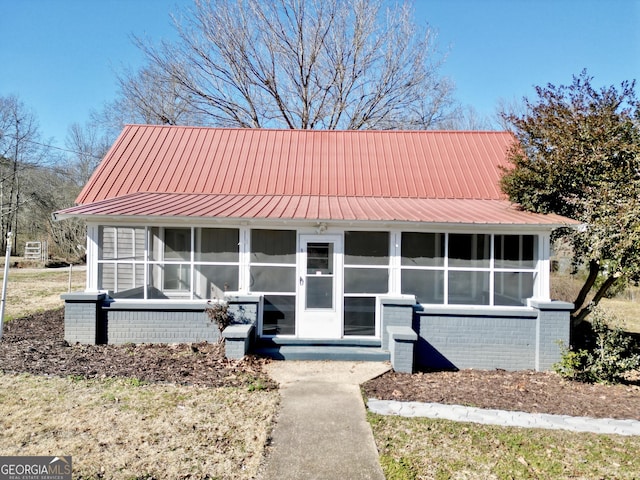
[322,282]
[384,239]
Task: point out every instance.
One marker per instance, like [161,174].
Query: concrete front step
[323,352]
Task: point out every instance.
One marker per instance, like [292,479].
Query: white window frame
[540,281]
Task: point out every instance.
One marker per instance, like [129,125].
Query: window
[468,269]
[121,252]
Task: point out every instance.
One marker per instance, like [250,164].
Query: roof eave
[308,222]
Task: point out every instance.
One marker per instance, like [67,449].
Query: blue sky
[60,57]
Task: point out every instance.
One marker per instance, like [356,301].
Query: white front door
[319,309]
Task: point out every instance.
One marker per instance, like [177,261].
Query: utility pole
[7,260]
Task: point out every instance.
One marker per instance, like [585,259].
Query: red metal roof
[406,164]
[320,208]
[421,176]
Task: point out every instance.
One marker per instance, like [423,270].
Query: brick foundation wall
[158,326]
[476,339]
[486,338]
[94,318]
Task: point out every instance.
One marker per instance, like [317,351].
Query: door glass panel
[320,259]
[319,292]
[319,284]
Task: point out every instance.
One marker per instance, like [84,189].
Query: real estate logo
[35,468]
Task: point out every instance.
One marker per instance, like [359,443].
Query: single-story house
[398,243]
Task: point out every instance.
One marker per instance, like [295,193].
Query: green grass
[412,448]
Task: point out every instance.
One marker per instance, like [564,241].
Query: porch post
[82,317]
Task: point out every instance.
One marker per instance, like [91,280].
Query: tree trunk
[594,268]
[578,318]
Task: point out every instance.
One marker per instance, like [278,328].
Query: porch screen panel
[272,272]
[177,244]
[422,266]
[272,279]
[469,250]
[426,285]
[360,316]
[422,249]
[218,245]
[366,276]
[366,280]
[107,276]
[473,252]
[217,258]
[107,243]
[469,288]
[366,248]
[516,257]
[279,315]
[273,246]
[516,251]
[513,288]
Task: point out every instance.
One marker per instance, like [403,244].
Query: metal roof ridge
[316,130]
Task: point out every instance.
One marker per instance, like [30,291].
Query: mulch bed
[36,345]
[526,391]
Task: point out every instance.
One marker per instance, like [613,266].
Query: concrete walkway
[504,418]
[321,431]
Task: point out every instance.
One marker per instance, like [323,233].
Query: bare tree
[347,64]
[468,118]
[146,96]
[20,151]
[86,146]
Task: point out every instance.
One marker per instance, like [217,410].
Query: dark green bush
[609,353]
